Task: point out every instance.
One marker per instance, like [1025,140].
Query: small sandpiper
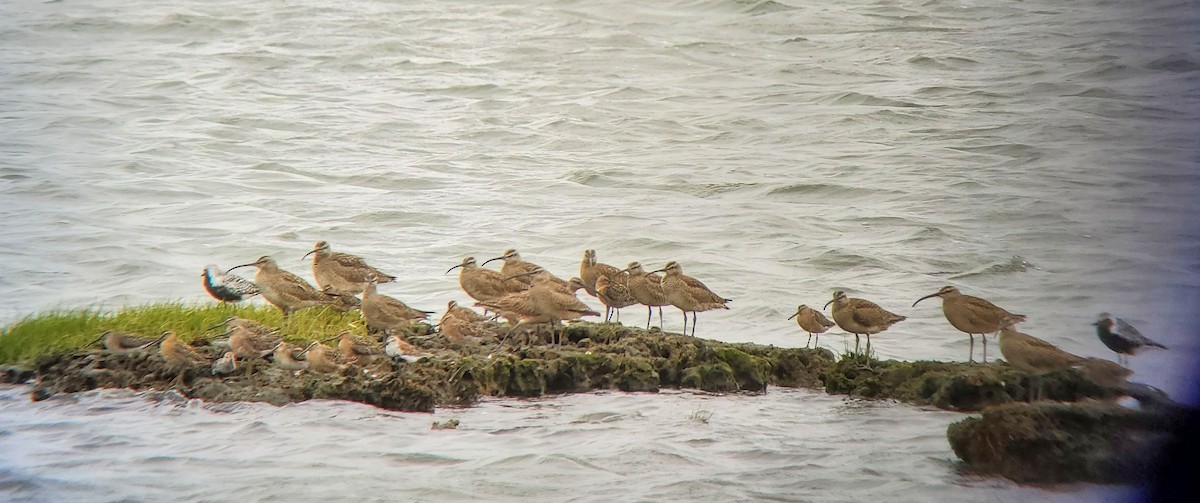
[400,350]
[1121,337]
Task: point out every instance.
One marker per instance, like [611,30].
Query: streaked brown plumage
[342,273]
[247,344]
[811,321]
[613,292]
[1034,356]
[454,310]
[320,359]
[590,270]
[354,349]
[688,293]
[285,357]
[555,281]
[541,303]
[514,267]
[285,290]
[382,312]
[484,284]
[177,353]
[861,317]
[972,315]
[121,342]
[647,290]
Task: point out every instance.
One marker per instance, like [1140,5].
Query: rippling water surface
[1040,155]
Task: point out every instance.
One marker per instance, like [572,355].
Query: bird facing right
[1121,337]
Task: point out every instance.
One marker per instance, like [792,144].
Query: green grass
[72,330]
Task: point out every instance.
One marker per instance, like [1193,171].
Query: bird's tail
[1155,344]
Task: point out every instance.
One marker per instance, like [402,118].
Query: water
[1038,155]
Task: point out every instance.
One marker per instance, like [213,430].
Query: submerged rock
[1048,442]
[954,386]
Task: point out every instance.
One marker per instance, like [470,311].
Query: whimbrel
[399,350]
[225,365]
[483,284]
[590,270]
[1034,356]
[647,290]
[285,357]
[861,317]
[972,315]
[514,266]
[613,292]
[354,349]
[121,342]
[342,272]
[688,293]
[1121,337]
[177,353]
[285,290]
[226,287]
[385,313]
[811,321]
[541,303]
[528,278]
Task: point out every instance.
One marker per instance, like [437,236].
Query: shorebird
[543,302]
[647,290]
[972,315]
[177,353]
[811,321]
[1105,373]
[514,266]
[353,348]
[1121,337]
[1034,356]
[121,342]
[226,287]
[285,290]
[342,273]
[257,328]
[319,359]
[225,365]
[246,344]
[285,357]
[400,351]
[613,292]
[385,313]
[861,317]
[456,329]
[483,284]
[532,274]
[688,293]
[454,310]
[590,270]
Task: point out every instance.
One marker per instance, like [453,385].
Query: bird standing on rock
[342,273]
[811,321]
[285,290]
[1121,337]
[688,293]
[972,315]
[861,317]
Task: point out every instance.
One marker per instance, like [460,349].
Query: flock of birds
[527,294]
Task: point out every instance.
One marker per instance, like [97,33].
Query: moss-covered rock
[1049,442]
[953,386]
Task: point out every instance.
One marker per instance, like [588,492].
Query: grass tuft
[57,331]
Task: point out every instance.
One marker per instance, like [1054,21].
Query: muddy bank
[596,356]
[1048,442]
